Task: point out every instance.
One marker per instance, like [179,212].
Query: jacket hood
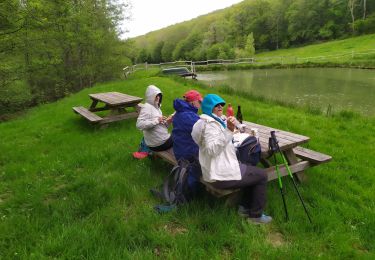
[209,102]
[151,93]
[197,133]
[182,106]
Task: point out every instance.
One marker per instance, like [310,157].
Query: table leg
[121,110]
[265,162]
[292,159]
[93,105]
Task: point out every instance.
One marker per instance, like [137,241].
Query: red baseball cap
[193,95]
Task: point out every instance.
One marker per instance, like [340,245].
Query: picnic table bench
[117,103]
[299,158]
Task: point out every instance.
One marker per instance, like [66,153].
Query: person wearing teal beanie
[213,133]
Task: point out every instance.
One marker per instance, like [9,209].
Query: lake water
[349,89]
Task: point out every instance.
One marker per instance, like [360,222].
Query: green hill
[69,190]
[265,25]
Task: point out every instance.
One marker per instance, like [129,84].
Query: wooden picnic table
[118,105]
[299,158]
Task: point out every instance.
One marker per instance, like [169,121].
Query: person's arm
[216,139]
[145,120]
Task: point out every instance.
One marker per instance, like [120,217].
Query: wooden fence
[347,56]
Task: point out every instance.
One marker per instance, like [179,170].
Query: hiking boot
[264,219]
[243,211]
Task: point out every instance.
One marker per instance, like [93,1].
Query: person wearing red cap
[183,145]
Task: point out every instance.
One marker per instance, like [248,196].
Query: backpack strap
[169,194]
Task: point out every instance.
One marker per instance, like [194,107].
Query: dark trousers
[254,184]
[167,144]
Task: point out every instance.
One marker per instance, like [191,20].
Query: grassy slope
[334,52]
[69,190]
[358,44]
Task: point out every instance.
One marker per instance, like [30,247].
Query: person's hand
[161,119]
[231,123]
[169,119]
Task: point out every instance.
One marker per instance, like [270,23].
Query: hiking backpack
[175,187]
[249,151]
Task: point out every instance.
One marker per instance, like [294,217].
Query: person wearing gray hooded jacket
[152,122]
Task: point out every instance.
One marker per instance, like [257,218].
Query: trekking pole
[276,143]
[273,149]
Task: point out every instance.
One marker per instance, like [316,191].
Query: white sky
[151,15]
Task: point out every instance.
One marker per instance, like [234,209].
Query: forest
[49,49]
[257,26]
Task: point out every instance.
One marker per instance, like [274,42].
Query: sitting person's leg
[165,146]
[254,184]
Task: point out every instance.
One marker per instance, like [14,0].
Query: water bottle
[239,114]
[230,111]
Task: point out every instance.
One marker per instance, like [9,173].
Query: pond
[341,89]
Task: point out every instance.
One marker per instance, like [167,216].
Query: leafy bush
[15,97]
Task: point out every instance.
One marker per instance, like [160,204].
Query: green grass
[70,190]
[356,52]
[358,45]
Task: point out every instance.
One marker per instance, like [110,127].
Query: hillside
[69,190]
[262,25]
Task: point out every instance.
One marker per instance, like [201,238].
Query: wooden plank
[298,167]
[87,114]
[114,118]
[167,156]
[292,137]
[116,98]
[310,155]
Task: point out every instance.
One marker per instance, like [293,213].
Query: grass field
[72,191]
[356,52]
[352,52]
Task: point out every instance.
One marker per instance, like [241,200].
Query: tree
[57,47]
[249,47]
[352,5]
[157,54]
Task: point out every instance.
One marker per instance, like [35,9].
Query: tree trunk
[364,9]
[351,5]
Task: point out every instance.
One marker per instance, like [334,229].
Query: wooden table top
[115,98]
[287,140]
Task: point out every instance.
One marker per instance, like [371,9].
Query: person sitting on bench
[152,122]
[214,133]
[183,145]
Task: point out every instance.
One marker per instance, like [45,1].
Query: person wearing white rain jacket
[152,122]
[217,156]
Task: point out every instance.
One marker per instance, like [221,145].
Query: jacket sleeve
[145,119]
[215,139]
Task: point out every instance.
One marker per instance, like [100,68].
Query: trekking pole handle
[273,136]
[273,143]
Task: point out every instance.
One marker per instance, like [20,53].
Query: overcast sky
[151,15]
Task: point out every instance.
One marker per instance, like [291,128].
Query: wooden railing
[347,56]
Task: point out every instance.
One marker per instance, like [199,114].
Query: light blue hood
[208,104]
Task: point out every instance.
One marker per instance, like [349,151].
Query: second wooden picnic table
[115,102]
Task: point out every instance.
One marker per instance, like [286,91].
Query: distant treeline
[49,49]
[260,25]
